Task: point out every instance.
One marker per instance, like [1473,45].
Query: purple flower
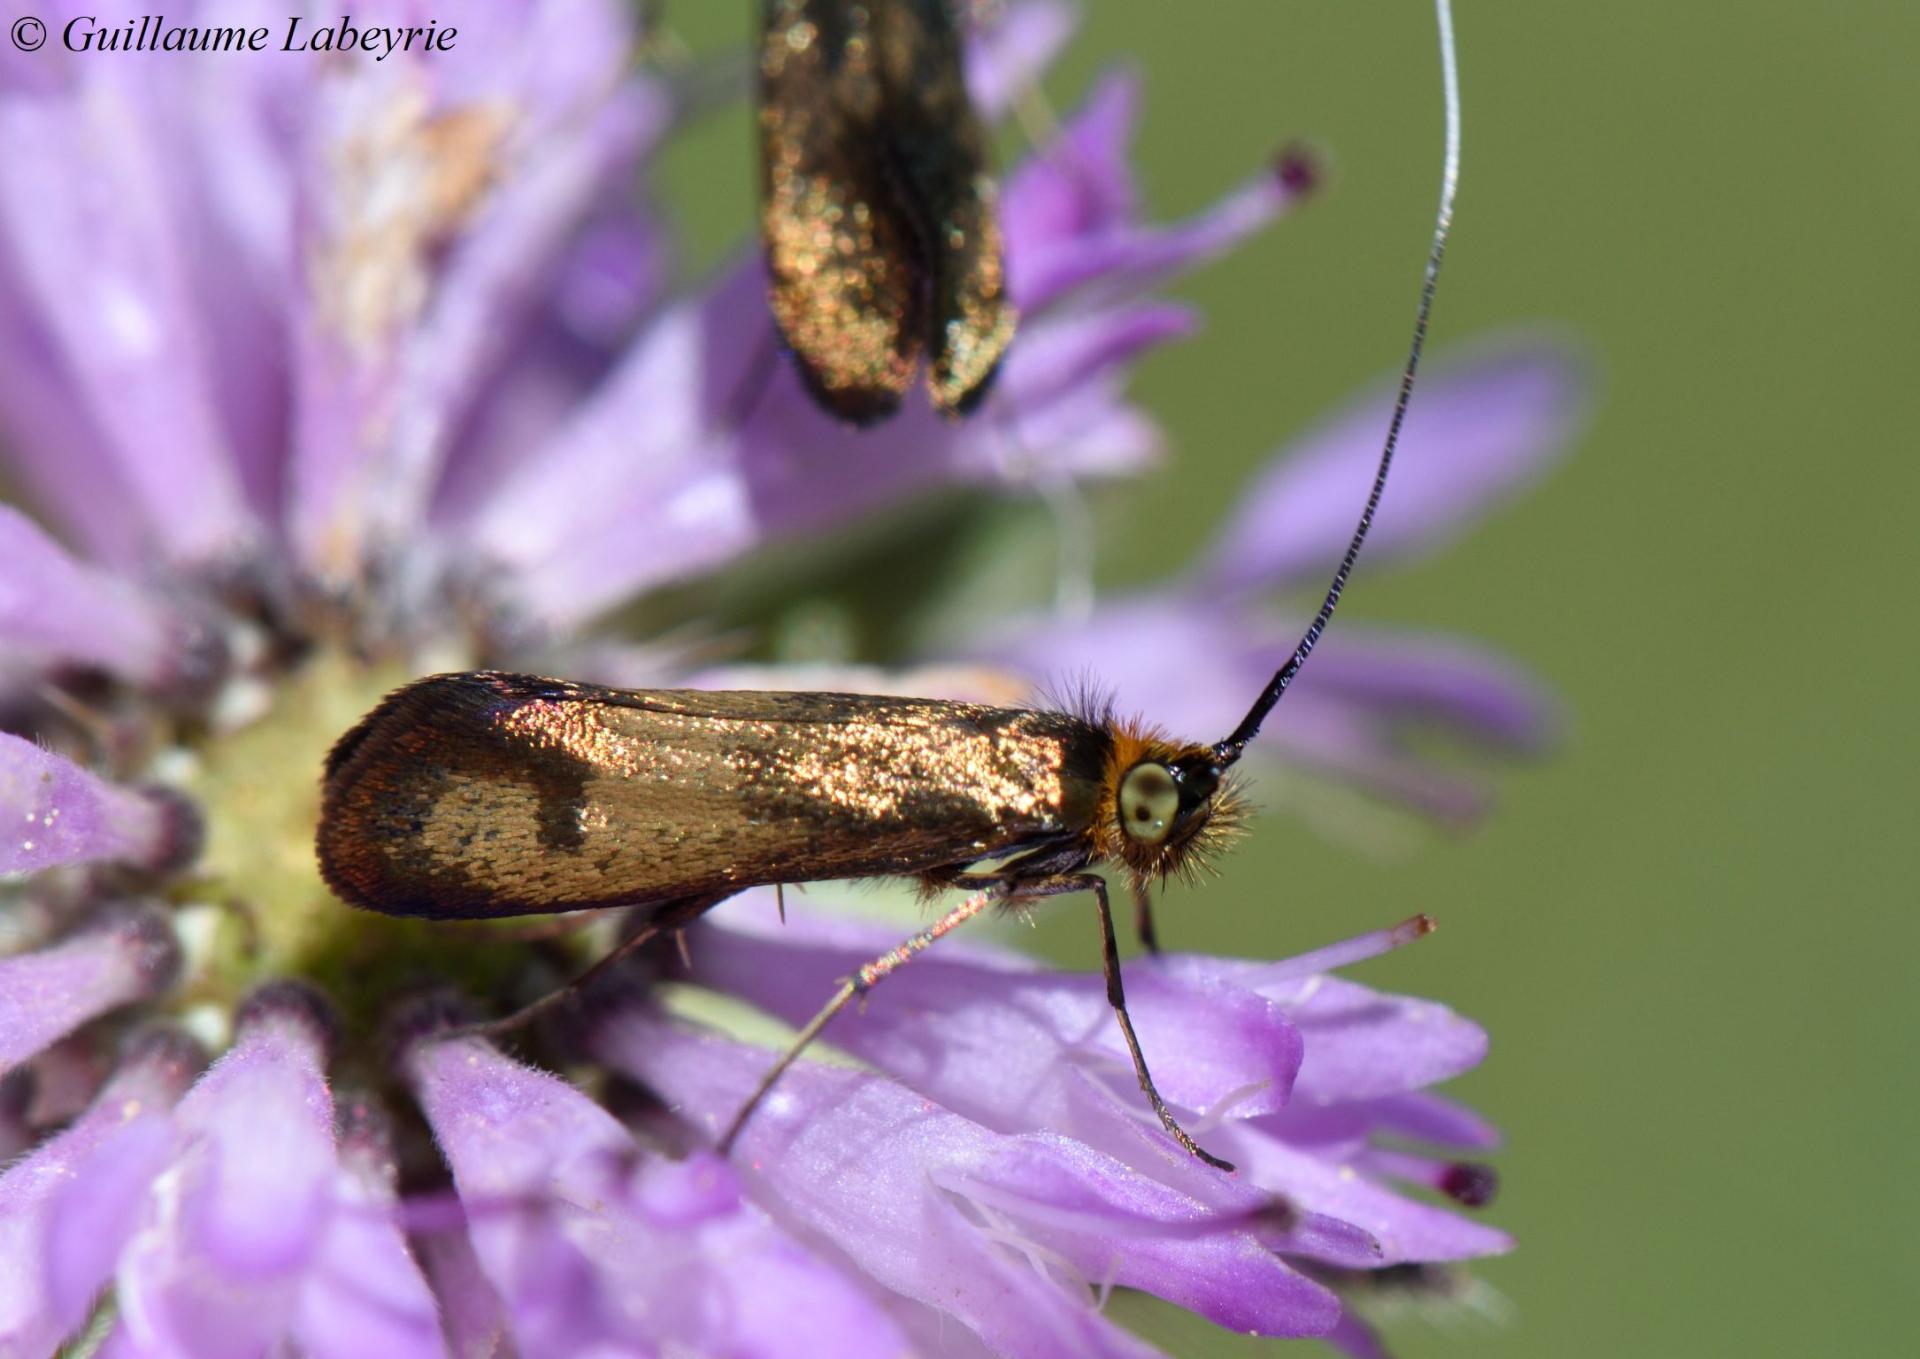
[1007,1137]
[319,374]
[589,1242]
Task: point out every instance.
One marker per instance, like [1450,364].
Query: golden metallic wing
[489,794]
[882,237]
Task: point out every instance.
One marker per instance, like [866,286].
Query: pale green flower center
[254,909]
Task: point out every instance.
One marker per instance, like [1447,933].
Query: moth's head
[1169,807]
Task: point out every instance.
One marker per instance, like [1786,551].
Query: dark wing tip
[958,405]
[361,770]
[437,697]
[850,403]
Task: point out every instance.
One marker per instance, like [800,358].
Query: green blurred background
[1691,935]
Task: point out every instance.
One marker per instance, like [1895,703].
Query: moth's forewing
[940,151]
[882,242]
[496,795]
[976,321]
[844,278]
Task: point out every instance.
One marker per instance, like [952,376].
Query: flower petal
[582,1259]
[1364,1044]
[506,267]
[1431,1118]
[217,1269]
[702,446]
[1063,353]
[1079,187]
[960,1026]
[63,610]
[49,993]
[1483,425]
[846,1155]
[365,1295]
[1123,264]
[1143,648]
[1406,1231]
[216,129]
[1126,1228]
[95,247]
[1355,1339]
[992,1036]
[54,450]
[518,1141]
[66,1207]
[609,280]
[1070,211]
[790,1290]
[1006,57]
[55,812]
[1340,742]
[476,1319]
[428,263]
[802,472]
[641,451]
[1404,676]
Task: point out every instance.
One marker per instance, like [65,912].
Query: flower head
[322,374]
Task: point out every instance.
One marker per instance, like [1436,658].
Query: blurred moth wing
[487,794]
[879,218]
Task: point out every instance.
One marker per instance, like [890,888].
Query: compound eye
[1149,801]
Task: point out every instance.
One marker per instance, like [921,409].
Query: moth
[878,215]
[487,794]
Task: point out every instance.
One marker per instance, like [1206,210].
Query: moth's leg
[1117,996]
[861,982]
[1143,919]
[668,917]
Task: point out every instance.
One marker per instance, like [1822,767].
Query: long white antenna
[1229,750]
